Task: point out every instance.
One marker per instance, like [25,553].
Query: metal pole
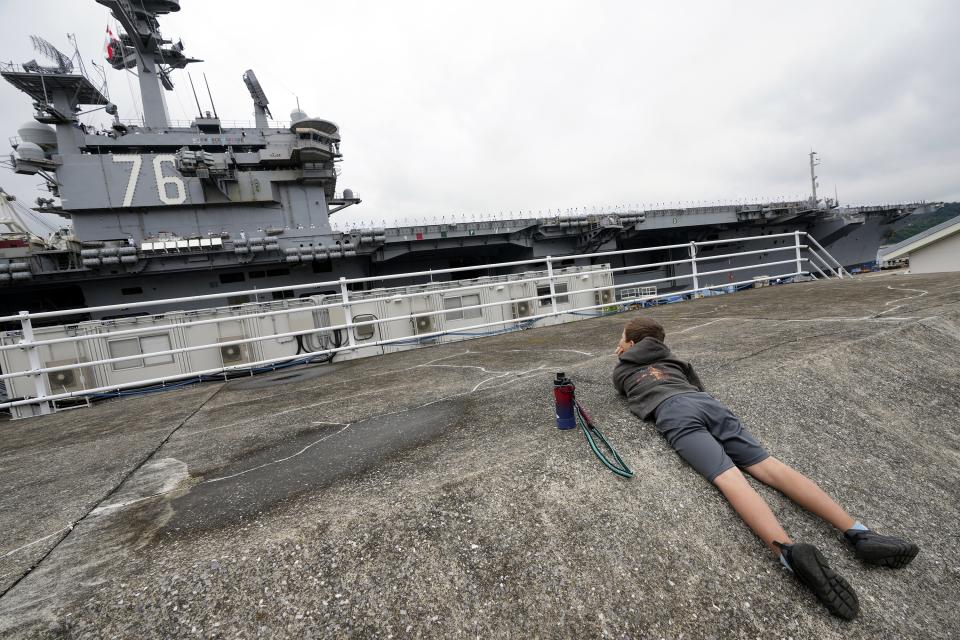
[347,313]
[840,269]
[40,383]
[796,236]
[693,268]
[819,270]
[821,259]
[553,290]
[813,178]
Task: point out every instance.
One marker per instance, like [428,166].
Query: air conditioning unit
[423,324]
[522,309]
[604,296]
[68,380]
[233,353]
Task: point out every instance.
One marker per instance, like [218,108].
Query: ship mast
[813,177]
[143,47]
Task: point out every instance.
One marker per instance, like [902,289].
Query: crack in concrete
[464,366]
[37,541]
[699,326]
[366,377]
[242,423]
[774,346]
[278,461]
[109,493]
[583,353]
[98,509]
[923,292]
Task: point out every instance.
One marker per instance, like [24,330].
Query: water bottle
[563,395]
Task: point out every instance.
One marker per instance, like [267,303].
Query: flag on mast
[111,45]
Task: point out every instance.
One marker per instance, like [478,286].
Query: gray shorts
[706,434]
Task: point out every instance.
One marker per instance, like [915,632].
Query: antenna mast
[210,95]
[813,177]
[195,98]
[143,47]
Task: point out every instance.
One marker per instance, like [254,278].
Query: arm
[617,378]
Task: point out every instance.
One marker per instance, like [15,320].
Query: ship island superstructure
[163,209]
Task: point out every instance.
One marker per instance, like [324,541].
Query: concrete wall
[938,257]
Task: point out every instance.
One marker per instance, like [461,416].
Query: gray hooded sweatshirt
[648,374]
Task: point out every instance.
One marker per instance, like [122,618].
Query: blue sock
[858,526]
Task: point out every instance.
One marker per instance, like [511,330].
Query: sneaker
[811,569]
[885,551]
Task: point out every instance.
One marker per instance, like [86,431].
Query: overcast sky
[471,108]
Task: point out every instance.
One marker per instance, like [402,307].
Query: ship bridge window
[543,290]
[457,302]
[227,278]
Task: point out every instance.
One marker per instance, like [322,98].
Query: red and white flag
[111,44]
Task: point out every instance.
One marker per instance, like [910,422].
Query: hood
[646,351]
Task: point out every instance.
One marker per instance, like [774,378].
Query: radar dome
[348,194]
[30,152]
[42,135]
[297,115]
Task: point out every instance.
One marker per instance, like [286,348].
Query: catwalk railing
[821,263]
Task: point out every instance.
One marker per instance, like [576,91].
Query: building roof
[922,239]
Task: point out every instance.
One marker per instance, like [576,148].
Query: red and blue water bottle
[563,396]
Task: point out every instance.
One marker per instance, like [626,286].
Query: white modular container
[407,317]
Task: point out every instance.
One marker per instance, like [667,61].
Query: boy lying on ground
[711,439]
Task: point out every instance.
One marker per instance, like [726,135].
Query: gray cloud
[471,108]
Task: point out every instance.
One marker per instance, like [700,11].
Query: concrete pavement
[428,494]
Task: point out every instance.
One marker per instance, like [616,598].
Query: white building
[932,251]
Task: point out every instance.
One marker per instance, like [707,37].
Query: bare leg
[752,508]
[801,490]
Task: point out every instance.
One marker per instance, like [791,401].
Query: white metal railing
[43,397]
[224,124]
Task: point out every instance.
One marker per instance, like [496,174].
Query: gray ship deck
[428,494]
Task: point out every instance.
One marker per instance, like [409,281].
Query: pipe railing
[393,276]
[390,341]
[349,324]
[839,266]
[388,298]
[44,396]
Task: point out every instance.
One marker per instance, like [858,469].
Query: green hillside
[922,222]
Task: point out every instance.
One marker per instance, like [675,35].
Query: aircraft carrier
[155,208]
